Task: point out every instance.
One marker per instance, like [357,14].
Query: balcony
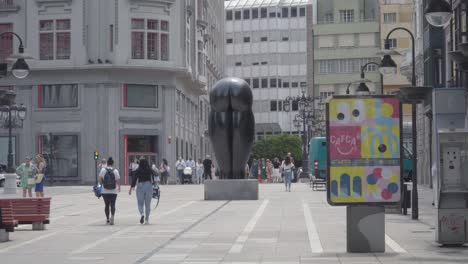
[8,6]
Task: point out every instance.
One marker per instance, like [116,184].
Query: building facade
[346,37]
[127,78]
[267,44]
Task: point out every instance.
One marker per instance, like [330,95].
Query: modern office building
[268,43]
[346,36]
[127,78]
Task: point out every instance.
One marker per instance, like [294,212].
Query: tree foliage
[278,146]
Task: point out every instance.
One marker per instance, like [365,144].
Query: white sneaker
[111,222]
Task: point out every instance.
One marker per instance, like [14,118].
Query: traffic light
[96,155]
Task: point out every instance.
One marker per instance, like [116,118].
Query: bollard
[10,184]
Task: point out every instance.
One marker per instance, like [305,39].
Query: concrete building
[267,43]
[127,78]
[346,36]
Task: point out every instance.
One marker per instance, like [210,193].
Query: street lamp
[438,13]
[363,89]
[11,116]
[389,65]
[305,119]
[20,68]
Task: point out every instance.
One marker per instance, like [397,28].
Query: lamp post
[11,114]
[438,13]
[305,119]
[388,67]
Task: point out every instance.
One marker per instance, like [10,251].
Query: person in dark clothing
[207,163]
[110,195]
[145,177]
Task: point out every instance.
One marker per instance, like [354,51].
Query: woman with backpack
[145,177]
[110,181]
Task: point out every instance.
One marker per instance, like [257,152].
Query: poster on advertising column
[364,145]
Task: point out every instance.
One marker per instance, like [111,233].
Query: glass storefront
[61,154]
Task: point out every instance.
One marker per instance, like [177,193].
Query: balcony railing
[8,5]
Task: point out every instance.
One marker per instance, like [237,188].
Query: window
[273,82]
[345,66]
[303,84]
[293,11]
[390,18]
[285,39]
[65,159]
[393,43]
[294,84]
[255,83]
[346,16]
[58,96]
[229,41]
[255,63]
[264,39]
[229,15]
[246,39]
[54,32]
[6,42]
[273,106]
[238,63]
[280,105]
[140,96]
[302,11]
[264,83]
[246,13]
[264,62]
[272,14]
[263,12]
[254,13]
[295,105]
[111,38]
[328,17]
[156,33]
[285,84]
[284,12]
[237,15]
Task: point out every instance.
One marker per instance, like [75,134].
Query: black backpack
[109,180]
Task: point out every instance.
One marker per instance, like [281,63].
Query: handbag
[39,177]
[31,181]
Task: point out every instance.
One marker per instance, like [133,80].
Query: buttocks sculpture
[231,126]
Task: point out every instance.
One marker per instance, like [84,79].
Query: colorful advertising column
[364,144]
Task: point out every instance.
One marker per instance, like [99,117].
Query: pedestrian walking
[262,171]
[144,175]
[40,176]
[207,166]
[247,170]
[110,181]
[180,166]
[26,171]
[269,170]
[276,170]
[133,168]
[199,171]
[191,163]
[164,171]
[254,170]
[287,170]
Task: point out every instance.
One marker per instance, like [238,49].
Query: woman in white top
[287,168]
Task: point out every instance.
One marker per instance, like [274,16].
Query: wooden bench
[35,211]
[315,182]
[7,221]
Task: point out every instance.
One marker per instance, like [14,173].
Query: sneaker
[111,222]
[147,222]
[142,219]
[107,222]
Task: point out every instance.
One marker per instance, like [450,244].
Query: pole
[96,169]
[10,168]
[304,142]
[51,159]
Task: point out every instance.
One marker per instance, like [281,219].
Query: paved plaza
[281,227]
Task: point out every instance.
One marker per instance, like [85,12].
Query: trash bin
[406,199]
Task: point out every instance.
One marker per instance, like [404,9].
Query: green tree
[278,146]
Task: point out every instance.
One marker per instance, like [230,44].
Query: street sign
[364,143]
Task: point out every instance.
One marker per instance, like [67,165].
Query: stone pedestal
[10,184]
[4,236]
[365,228]
[231,189]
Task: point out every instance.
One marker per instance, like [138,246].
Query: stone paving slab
[187,229]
